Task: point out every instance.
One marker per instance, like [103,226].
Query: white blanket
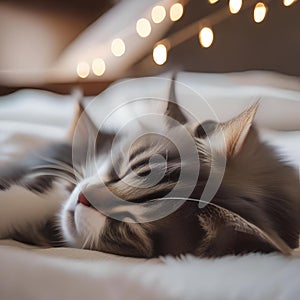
[26,272]
[32,276]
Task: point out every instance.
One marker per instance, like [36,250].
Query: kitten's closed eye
[139,164]
[205,129]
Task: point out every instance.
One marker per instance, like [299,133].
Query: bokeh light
[260,12]
[158,14]
[235,6]
[118,47]
[206,37]
[160,54]
[98,66]
[143,27]
[176,12]
[288,2]
[83,69]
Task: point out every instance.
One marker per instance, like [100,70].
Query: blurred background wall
[34,33]
[241,44]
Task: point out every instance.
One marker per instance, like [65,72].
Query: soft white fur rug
[34,277]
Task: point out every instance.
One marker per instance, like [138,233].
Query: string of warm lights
[203,28]
[143,28]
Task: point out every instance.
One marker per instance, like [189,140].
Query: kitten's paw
[23,211]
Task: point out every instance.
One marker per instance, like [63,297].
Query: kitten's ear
[229,137]
[82,126]
[173,110]
[229,233]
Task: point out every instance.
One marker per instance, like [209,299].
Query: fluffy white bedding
[28,272]
[32,276]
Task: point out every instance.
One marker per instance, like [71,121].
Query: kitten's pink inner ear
[236,130]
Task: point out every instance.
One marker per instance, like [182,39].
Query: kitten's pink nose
[82,199]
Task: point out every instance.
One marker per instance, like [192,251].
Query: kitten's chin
[82,227]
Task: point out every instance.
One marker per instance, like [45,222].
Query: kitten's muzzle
[83,200]
[97,197]
[105,202]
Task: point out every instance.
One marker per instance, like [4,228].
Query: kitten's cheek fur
[89,224]
[81,225]
[68,228]
[67,221]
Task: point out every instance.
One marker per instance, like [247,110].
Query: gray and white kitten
[256,207]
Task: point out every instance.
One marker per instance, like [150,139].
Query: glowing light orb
[118,47]
[83,69]
[158,14]
[260,12]
[98,66]
[235,6]
[160,54]
[288,2]
[206,37]
[176,12]
[143,27]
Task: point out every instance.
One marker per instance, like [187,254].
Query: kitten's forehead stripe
[134,193]
[163,150]
[139,164]
[136,152]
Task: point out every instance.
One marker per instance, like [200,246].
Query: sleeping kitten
[124,202]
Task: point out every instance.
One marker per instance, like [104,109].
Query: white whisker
[90,158]
[62,166]
[45,172]
[186,199]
